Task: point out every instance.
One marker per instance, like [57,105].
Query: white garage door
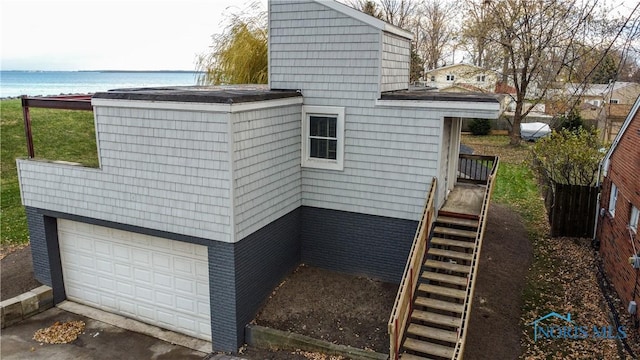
[154,280]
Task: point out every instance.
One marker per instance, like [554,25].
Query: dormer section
[332,51]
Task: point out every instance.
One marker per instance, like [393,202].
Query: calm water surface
[33,83]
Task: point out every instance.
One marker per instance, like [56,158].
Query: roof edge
[365,18]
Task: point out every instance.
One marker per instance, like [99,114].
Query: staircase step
[433,333]
[457,221]
[454,232]
[444,278]
[439,304]
[444,265]
[434,318]
[449,242]
[449,254]
[444,291]
[428,348]
[405,356]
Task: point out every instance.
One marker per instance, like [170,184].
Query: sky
[109,34]
[114,34]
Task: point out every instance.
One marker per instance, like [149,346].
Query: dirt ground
[494,327]
[16,273]
[330,306]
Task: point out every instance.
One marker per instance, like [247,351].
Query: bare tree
[366,6]
[538,43]
[399,12]
[434,31]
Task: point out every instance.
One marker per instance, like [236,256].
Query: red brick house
[620,204]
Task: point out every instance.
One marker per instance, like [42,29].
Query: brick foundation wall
[354,243]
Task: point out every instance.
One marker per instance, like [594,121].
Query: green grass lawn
[57,135]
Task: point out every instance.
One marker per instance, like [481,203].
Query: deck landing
[465,199]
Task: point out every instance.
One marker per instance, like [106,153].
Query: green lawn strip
[57,135]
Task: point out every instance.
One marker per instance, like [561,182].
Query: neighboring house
[592,99]
[206,198]
[610,118]
[462,78]
[618,224]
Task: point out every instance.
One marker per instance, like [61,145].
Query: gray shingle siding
[390,159]
[160,169]
[396,55]
[335,56]
[390,153]
[266,166]
[354,243]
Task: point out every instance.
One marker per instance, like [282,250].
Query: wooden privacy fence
[571,209]
[404,299]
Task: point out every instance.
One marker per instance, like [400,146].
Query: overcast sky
[109,34]
[114,34]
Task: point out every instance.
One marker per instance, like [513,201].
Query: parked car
[533,131]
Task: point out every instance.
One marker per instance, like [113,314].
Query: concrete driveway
[99,341]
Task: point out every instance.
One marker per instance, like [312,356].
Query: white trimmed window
[613,198]
[633,220]
[323,137]
[451,77]
[480,78]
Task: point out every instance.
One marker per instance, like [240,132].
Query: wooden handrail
[462,334]
[404,299]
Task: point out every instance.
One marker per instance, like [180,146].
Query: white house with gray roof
[206,197]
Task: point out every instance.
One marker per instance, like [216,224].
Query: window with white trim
[633,219]
[323,137]
[613,198]
[451,77]
[480,78]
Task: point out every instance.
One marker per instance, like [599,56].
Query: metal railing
[475,168]
[462,333]
[404,299]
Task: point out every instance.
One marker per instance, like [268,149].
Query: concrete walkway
[99,341]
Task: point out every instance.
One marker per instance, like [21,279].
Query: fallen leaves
[318,356]
[570,284]
[60,332]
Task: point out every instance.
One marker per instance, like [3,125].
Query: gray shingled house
[206,198]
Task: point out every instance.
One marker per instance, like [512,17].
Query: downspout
[594,240]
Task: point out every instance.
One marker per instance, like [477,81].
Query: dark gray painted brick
[355,243]
[45,253]
[38,241]
[263,259]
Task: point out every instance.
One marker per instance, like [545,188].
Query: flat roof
[427,94]
[232,94]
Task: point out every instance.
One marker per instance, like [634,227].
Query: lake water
[33,83]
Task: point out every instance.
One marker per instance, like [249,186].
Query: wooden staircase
[436,315]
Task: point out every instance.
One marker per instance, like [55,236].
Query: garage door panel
[155,280]
[161,261]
